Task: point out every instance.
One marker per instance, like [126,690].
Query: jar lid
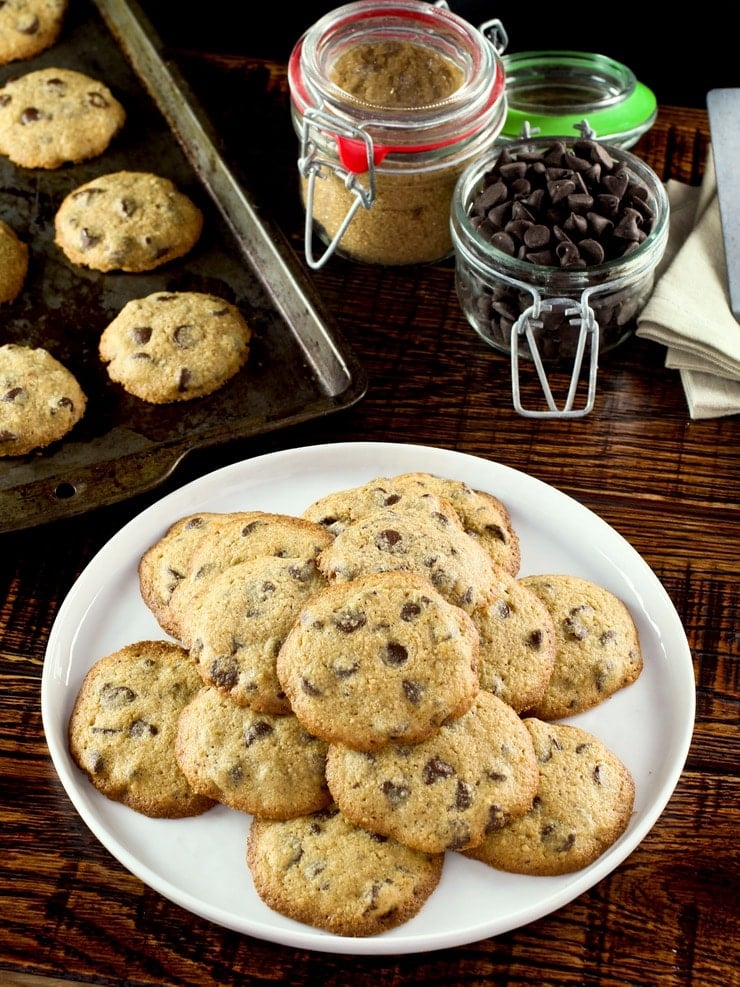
[550,93]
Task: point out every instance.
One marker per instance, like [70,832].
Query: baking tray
[299,366]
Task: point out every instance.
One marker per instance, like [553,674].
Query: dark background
[679,56]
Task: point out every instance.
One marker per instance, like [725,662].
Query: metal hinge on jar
[311,163]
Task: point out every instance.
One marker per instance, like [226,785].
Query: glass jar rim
[553,92]
[642,257]
[409,130]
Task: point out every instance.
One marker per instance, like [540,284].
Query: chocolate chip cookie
[236,624]
[445,793]
[127,221]
[322,870]
[13,263]
[379,659]
[175,346]
[241,537]
[165,563]
[429,542]
[40,400]
[597,649]
[123,728]
[253,762]
[583,804]
[55,116]
[28,27]
[517,644]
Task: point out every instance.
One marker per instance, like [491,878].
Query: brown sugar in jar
[391,101]
[396,74]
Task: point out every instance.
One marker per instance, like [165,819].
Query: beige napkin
[689,310]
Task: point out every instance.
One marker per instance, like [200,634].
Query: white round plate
[199,863]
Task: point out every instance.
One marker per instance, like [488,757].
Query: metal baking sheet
[299,366]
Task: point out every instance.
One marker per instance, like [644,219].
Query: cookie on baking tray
[429,542]
[235,625]
[584,801]
[239,537]
[40,400]
[517,644]
[379,659]
[123,728]
[126,221]
[175,346]
[322,870]
[13,263]
[253,762]
[445,793]
[597,648]
[28,27]
[165,563]
[54,116]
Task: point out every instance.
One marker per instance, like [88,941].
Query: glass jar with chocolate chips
[556,245]
[391,101]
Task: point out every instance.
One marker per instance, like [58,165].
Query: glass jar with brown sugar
[391,102]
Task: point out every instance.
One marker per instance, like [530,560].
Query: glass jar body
[503,296]
[401,160]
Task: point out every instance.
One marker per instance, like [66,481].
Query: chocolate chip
[140,728]
[116,696]
[345,671]
[31,115]
[97,99]
[387,540]
[395,794]
[223,672]
[395,654]
[413,691]
[32,27]
[435,769]
[183,382]
[309,688]
[257,731]
[15,394]
[88,238]
[350,621]
[410,611]
[464,795]
[141,335]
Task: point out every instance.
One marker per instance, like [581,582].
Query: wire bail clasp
[312,164]
[579,315]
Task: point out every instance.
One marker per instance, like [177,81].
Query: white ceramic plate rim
[199,863]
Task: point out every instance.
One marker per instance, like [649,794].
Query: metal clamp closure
[312,165]
[578,314]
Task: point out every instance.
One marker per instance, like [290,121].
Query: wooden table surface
[668,915]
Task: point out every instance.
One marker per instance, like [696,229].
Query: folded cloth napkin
[689,310]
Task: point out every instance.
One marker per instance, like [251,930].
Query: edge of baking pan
[48,489]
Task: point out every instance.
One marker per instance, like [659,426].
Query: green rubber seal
[556,93]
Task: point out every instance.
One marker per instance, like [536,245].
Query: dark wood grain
[668,916]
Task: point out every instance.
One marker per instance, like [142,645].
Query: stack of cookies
[377,686]
[163,348]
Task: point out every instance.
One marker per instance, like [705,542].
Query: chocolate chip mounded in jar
[388,124]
